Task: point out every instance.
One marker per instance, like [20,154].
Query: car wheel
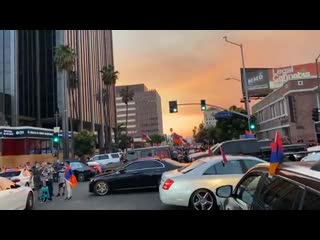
[101,188]
[30,201]
[203,199]
[81,177]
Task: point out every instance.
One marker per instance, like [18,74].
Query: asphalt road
[83,200]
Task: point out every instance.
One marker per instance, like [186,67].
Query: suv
[295,186]
[104,159]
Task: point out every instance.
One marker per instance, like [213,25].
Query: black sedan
[136,175]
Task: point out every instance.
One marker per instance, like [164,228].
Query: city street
[83,200]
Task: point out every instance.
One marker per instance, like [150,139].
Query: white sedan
[14,197]
[194,186]
[21,177]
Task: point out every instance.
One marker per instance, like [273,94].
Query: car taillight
[167,184]
[15,180]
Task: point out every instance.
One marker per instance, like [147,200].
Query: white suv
[105,159]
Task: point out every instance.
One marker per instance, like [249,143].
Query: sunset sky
[191,65]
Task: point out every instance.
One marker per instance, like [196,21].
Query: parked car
[311,157]
[81,170]
[15,197]
[194,185]
[21,177]
[136,175]
[105,159]
[295,186]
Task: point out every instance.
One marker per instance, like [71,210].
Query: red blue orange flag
[248,134]
[276,154]
[224,158]
[145,136]
[177,139]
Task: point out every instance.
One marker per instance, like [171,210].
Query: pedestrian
[50,171]
[44,178]
[67,175]
[61,182]
[36,173]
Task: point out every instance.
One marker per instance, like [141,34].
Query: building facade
[31,87]
[288,110]
[209,117]
[144,112]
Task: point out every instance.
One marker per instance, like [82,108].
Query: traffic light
[203,105]
[55,138]
[173,106]
[315,114]
[252,126]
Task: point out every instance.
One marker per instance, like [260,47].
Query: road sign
[224,114]
[56,129]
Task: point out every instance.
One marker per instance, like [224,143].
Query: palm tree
[109,78]
[118,132]
[127,96]
[65,58]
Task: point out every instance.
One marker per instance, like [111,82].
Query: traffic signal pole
[221,108]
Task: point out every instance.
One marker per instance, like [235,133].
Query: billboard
[262,81]
[279,76]
[257,82]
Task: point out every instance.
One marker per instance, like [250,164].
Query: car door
[150,175]
[227,174]
[127,176]
[245,192]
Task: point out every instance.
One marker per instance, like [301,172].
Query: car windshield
[191,166]
[10,174]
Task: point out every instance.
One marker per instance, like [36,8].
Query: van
[159,151]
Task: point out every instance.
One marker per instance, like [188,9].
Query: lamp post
[244,82]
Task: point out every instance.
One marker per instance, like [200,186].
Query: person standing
[50,180]
[36,173]
[68,174]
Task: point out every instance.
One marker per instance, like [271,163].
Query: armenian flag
[276,154]
[248,134]
[177,139]
[224,158]
[69,176]
[145,136]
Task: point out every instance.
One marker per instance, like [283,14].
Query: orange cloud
[191,65]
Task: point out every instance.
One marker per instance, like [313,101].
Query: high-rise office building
[144,112]
[31,87]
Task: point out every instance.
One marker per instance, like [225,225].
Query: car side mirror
[224,191]
[121,171]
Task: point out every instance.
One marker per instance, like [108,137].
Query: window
[115,155]
[146,153]
[311,201]
[142,165]
[132,156]
[210,171]
[247,188]
[102,157]
[249,163]
[231,167]
[10,174]
[279,194]
[191,166]
[75,165]
[154,164]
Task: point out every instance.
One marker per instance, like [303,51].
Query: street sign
[224,114]
[56,129]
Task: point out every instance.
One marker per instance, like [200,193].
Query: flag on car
[145,136]
[223,155]
[276,154]
[248,134]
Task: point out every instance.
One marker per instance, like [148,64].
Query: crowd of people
[41,179]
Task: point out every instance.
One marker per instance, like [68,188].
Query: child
[62,182]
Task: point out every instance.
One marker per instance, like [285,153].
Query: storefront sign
[257,82]
[27,132]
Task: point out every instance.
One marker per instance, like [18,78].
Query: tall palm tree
[109,78]
[127,96]
[65,58]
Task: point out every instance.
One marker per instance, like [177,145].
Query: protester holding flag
[71,180]
[276,154]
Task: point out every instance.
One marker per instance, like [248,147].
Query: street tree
[65,58]
[109,78]
[84,143]
[157,138]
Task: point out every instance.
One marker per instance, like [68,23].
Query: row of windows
[277,109]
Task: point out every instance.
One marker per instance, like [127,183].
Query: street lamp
[236,79]
[244,79]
